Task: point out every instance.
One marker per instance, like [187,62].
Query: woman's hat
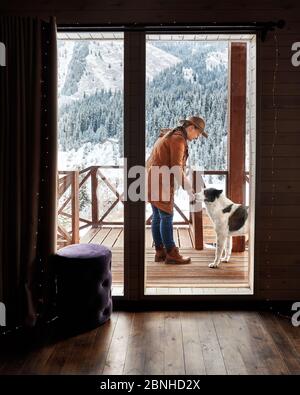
[198,122]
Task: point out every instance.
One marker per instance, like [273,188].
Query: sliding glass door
[91,148]
[211,76]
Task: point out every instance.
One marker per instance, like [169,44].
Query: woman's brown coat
[169,151]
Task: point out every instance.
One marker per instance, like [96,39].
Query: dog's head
[209,195]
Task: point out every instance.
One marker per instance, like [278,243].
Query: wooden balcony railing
[73,182]
[69,209]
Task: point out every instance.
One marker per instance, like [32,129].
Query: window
[90,155]
[212,76]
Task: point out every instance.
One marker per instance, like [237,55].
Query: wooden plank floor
[233,273]
[226,342]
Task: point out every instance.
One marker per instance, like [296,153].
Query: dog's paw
[225,259]
[213,265]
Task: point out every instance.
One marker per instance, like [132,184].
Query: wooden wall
[277,257]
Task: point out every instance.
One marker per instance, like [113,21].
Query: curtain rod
[166,28]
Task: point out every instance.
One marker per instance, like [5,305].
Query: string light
[273,146]
[275,109]
[39,258]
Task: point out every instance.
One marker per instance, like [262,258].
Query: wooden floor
[196,274]
[170,343]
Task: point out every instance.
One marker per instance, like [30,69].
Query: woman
[170,152]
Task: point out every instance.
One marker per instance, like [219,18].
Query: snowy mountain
[182,79]
[158,60]
[216,59]
[86,67]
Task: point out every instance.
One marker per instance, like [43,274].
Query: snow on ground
[104,67]
[158,60]
[65,51]
[188,74]
[88,155]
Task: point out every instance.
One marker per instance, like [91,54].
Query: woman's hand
[192,196]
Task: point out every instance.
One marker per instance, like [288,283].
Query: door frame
[231,291]
[134,147]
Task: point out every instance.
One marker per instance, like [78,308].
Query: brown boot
[173,256]
[160,254]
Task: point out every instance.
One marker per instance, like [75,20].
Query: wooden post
[237,129]
[75,207]
[196,217]
[94,187]
[134,151]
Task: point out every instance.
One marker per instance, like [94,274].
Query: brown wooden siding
[277,270]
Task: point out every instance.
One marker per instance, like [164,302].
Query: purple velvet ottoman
[83,284]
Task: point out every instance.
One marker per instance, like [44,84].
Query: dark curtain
[28,166]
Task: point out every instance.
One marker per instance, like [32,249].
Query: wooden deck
[160,275]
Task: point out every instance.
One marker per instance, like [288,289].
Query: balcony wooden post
[95,206]
[196,216]
[75,206]
[236,134]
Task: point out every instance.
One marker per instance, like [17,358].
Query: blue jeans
[162,228]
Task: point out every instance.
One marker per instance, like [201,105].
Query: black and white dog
[229,219]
